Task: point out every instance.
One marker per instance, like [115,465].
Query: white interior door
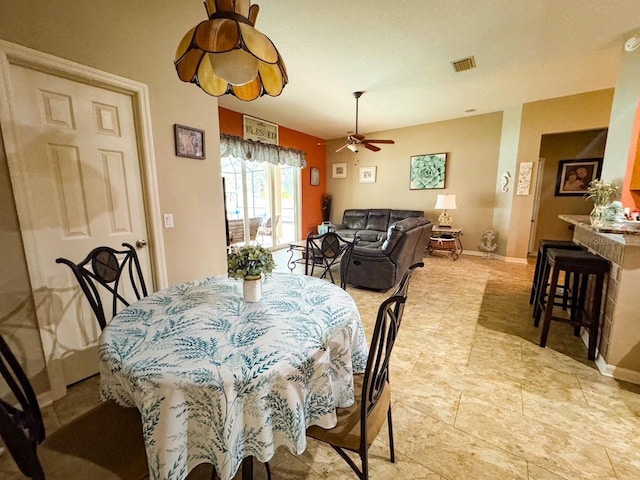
[83,185]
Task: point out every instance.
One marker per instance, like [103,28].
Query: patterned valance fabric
[231,146]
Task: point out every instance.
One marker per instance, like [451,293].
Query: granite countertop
[626,233]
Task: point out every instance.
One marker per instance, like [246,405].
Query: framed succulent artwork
[427,171]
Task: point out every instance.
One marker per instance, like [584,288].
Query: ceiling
[400,52]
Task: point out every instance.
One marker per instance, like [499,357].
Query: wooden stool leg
[549,307]
[575,303]
[536,277]
[594,325]
[540,293]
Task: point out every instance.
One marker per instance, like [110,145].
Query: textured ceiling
[399,53]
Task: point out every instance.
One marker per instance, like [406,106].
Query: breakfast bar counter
[619,345]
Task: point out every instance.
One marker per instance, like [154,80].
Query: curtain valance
[231,146]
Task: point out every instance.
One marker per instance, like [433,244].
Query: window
[262,198]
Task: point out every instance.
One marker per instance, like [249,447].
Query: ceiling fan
[355,141]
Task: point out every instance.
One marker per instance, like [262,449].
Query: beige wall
[472,145]
[480,149]
[511,123]
[137,40]
[556,147]
[565,114]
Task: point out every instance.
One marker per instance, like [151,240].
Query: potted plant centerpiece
[249,263]
[602,193]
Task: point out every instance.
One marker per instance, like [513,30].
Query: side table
[446,239]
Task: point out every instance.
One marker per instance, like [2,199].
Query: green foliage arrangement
[601,192]
[249,261]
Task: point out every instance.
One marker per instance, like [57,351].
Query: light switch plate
[168,220]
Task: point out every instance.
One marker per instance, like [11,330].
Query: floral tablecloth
[217,379]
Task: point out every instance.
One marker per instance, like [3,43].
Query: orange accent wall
[631,198]
[231,124]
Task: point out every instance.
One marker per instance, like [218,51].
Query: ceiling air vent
[463,64]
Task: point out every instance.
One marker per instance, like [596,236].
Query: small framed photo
[574,176]
[367,174]
[315,176]
[338,170]
[427,171]
[189,142]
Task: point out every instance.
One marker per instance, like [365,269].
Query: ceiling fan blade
[379,141]
[342,147]
[357,136]
[373,148]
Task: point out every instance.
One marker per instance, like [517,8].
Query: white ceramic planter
[252,289]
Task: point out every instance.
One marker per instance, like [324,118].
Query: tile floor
[474,395]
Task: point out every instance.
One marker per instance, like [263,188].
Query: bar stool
[537,286]
[542,254]
[580,266]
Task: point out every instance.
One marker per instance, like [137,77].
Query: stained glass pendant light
[226,55]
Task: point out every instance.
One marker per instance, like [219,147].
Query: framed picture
[574,176]
[338,170]
[367,174]
[315,176]
[189,142]
[427,171]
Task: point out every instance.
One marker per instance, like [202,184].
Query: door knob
[141,243]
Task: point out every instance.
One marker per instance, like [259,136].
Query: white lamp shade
[353,147]
[236,67]
[446,202]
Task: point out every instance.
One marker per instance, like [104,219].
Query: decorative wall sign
[524,178]
[260,130]
[427,171]
[189,142]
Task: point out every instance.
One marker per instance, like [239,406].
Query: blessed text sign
[259,130]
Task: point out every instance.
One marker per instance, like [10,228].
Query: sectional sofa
[380,257]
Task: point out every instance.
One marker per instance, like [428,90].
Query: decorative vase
[598,216]
[252,289]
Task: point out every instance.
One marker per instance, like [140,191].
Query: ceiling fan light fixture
[227,55]
[356,140]
[353,147]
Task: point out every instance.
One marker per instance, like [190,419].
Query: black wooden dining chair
[105,443]
[359,425]
[326,250]
[102,270]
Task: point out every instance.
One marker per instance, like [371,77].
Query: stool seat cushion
[568,244]
[567,259]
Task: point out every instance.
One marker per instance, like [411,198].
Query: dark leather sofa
[380,265]
[371,224]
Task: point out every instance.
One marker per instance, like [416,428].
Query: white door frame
[536,207]
[12,54]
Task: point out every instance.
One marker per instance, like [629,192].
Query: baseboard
[618,373]
[624,374]
[474,253]
[522,261]
[45,399]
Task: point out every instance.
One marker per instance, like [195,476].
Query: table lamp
[444,203]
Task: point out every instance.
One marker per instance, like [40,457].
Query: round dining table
[218,380]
